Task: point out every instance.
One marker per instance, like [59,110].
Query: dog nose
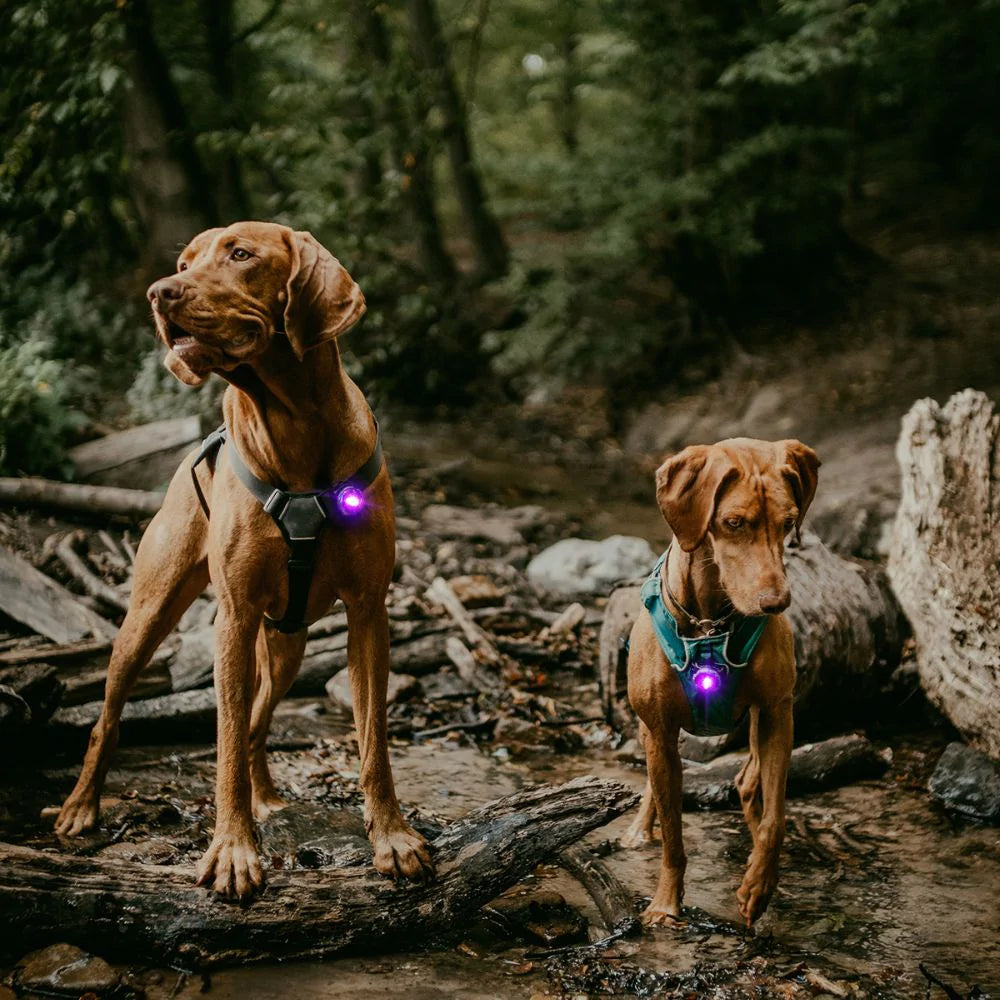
[772,602]
[163,291]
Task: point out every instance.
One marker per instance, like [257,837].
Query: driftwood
[615,901]
[82,573]
[117,449]
[813,768]
[107,500]
[441,592]
[154,912]
[944,558]
[30,597]
[48,652]
[848,636]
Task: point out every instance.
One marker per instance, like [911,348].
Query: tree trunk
[848,636]
[944,555]
[408,146]
[432,56]
[154,911]
[172,189]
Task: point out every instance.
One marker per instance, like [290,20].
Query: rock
[192,665]
[477,591]
[65,970]
[524,737]
[967,782]
[401,687]
[582,566]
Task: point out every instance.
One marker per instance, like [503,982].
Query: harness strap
[300,517]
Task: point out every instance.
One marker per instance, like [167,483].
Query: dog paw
[264,805]
[660,916]
[231,866]
[78,814]
[402,853]
[637,836]
[754,895]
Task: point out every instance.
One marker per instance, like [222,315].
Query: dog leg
[231,864]
[774,751]
[748,780]
[278,659]
[170,572]
[663,762]
[399,849]
[641,830]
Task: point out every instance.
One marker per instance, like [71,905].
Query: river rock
[967,782]
[65,970]
[338,688]
[582,566]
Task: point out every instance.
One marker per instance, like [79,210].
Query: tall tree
[433,57]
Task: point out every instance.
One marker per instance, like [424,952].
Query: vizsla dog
[730,507]
[263,307]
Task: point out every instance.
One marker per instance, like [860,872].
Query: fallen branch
[137,911]
[113,500]
[83,575]
[441,593]
[614,901]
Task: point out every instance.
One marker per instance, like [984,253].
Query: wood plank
[30,597]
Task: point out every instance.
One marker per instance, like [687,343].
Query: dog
[722,582]
[263,306]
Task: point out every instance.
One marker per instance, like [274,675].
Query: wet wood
[813,768]
[945,555]
[106,500]
[117,449]
[133,912]
[614,900]
[848,629]
[30,597]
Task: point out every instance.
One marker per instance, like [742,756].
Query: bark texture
[154,911]
[943,560]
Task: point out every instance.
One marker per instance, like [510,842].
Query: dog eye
[239,254]
[789,523]
[734,522]
[182,266]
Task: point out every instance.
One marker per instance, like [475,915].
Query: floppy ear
[323,299]
[688,487]
[801,469]
[180,371]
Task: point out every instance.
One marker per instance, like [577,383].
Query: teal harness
[710,667]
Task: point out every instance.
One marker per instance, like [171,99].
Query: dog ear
[688,487]
[180,371]
[801,469]
[323,300]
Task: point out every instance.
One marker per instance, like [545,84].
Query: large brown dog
[262,306]
[730,506]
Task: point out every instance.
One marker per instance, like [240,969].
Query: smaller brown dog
[730,506]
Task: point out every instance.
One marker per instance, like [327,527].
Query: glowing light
[707,681]
[350,501]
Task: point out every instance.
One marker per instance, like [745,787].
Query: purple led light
[350,501]
[706,681]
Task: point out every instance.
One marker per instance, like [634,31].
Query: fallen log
[848,630]
[113,500]
[615,901]
[30,597]
[154,912]
[81,572]
[944,556]
[814,767]
[114,450]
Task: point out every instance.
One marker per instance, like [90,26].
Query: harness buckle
[302,519]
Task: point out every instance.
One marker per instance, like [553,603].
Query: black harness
[300,517]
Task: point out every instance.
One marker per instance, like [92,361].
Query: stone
[582,566]
[967,782]
[477,590]
[64,969]
[401,687]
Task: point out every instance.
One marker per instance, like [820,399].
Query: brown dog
[262,306]
[730,506]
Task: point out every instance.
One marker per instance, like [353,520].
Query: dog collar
[709,667]
[301,517]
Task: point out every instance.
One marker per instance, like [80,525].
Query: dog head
[744,497]
[237,288]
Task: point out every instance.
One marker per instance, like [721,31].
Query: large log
[848,636]
[153,912]
[116,501]
[944,557]
[122,447]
